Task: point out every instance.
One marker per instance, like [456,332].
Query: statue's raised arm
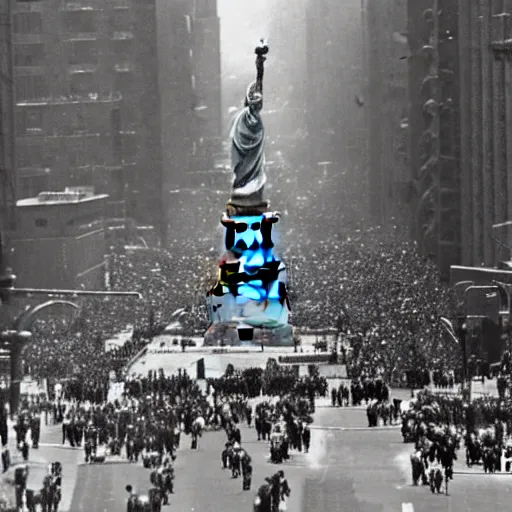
[247,144]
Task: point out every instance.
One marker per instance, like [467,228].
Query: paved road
[368,470]
[353,469]
[200,484]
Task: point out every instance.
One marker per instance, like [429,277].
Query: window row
[79,53]
[79,152]
[79,21]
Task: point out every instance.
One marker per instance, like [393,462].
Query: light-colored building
[60,240]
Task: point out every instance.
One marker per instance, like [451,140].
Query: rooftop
[71,195]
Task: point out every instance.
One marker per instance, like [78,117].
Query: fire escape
[433,121]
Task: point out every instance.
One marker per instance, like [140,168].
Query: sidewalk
[50,450]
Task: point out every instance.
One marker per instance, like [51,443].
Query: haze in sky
[243,23]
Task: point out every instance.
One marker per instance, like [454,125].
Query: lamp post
[16,341]
[460,339]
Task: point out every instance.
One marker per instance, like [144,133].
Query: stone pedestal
[249,303]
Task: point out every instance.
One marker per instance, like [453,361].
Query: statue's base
[253,204]
[233,334]
[236,208]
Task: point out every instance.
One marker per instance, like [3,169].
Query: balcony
[76,69]
[71,98]
[76,6]
[123,67]
[122,36]
[80,36]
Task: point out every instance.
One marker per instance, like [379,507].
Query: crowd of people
[370,284]
[437,424]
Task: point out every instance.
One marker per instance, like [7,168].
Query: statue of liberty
[247,147]
[249,301]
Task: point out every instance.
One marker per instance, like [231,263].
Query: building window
[116,184]
[82,22]
[31,186]
[31,87]
[76,155]
[29,120]
[83,52]
[27,23]
[121,20]
[115,130]
[41,223]
[30,155]
[129,147]
[83,83]
[123,83]
[123,50]
[95,151]
[27,55]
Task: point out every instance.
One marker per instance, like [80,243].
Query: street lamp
[16,341]
[460,340]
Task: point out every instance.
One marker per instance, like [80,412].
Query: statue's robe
[247,151]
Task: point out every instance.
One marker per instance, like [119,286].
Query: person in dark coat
[35,429]
[225,455]
[248,414]
[334,397]
[132,503]
[247,477]
[306,438]
[236,435]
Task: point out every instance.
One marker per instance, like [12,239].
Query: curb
[350,407]
[474,473]
[348,429]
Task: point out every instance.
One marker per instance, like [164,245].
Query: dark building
[386,105]
[60,241]
[191,128]
[485,131]
[7,135]
[207,73]
[136,78]
[286,81]
[107,97]
[413,119]
[334,80]
[68,113]
[434,130]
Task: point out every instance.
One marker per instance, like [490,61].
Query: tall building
[485,52]
[191,129]
[287,78]
[207,73]
[7,135]
[413,91]
[386,106]
[334,80]
[107,97]
[434,129]
[136,78]
[68,113]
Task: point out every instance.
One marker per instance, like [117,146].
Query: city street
[365,470]
[201,485]
[350,467]
[355,469]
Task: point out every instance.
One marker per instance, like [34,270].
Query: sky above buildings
[243,23]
